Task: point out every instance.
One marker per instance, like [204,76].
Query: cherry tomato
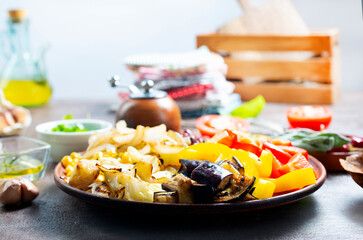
[314,117]
[344,148]
[208,125]
[356,141]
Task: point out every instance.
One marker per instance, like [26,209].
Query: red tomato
[298,161]
[293,150]
[344,148]
[208,125]
[279,154]
[314,117]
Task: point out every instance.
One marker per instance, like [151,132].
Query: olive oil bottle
[27,92]
[23,78]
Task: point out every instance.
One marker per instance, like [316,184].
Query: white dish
[64,143]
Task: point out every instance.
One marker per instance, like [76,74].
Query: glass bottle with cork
[23,78]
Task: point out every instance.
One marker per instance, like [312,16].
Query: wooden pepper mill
[149,107]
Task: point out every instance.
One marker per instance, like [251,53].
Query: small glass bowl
[23,157]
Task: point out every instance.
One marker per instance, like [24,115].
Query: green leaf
[314,141]
[68,116]
[251,108]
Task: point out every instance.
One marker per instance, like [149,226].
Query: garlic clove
[10,192]
[21,115]
[28,189]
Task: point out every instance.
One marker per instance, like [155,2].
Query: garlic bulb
[13,119]
[16,190]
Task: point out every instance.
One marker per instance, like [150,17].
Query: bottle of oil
[23,78]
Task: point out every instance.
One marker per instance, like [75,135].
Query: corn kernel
[69,170]
[66,160]
[73,163]
[112,154]
[75,155]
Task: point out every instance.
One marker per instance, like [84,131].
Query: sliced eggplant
[185,173]
[229,165]
[240,167]
[238,188]
[172,184]
[185,190]
[249,196]
[202,192]
[212,175]
[166,197]
[188,165]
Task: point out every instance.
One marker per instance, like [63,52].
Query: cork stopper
[17,15]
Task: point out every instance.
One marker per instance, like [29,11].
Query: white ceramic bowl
[64,143]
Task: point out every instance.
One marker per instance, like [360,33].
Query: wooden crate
[318,77]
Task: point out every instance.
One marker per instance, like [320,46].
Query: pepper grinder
[148,107]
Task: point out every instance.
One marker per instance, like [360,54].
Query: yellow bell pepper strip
[202,151]
[248,162]
[294,180]
[263,189]
[212,152]
[264,164]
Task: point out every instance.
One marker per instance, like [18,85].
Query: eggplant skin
[212,175]
[166,197]
[188,165]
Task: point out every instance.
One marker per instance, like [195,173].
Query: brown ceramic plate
[211,208]
[331,160]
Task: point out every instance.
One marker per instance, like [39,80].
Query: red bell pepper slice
[298,161]
[279,154]
[225,137]
[293,150]
[281,142]
[276,165]
[250,147]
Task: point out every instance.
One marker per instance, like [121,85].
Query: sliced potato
[84,174]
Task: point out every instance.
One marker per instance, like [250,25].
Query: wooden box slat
[313,42]
[315,69]
[288,93]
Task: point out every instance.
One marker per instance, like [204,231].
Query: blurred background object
[195,79]
[23,78]
[90,38]
[269,50]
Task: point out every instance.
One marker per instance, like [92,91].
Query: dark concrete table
[335,211]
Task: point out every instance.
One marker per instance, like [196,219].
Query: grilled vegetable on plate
[152,164]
